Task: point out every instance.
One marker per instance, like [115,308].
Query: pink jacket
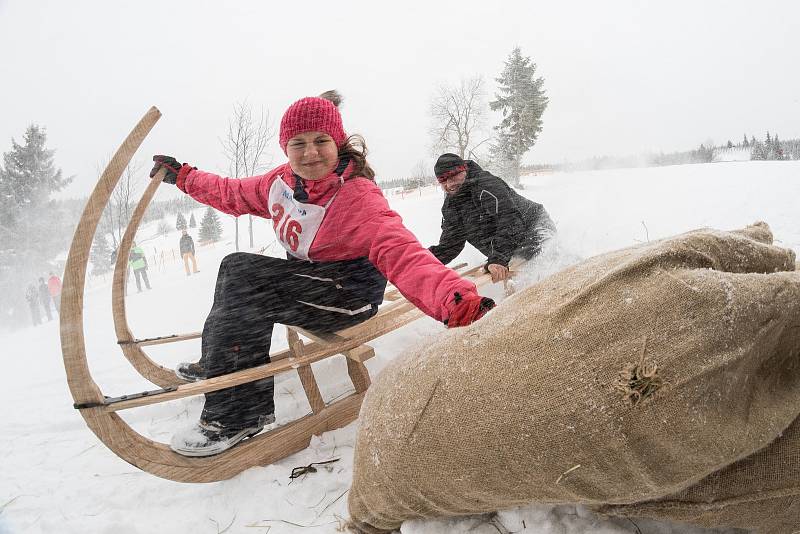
[357,224]
[54,285]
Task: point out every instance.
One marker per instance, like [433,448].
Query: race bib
[296,224]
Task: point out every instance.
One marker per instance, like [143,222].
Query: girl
[342,242]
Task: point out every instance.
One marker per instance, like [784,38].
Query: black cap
[447,162]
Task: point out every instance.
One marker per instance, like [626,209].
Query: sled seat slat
[358,354]
[392,293]
[161,340]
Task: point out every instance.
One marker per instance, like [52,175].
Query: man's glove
[170,164]
[466,309]
[498,272]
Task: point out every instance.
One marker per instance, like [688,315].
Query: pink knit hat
[312,114]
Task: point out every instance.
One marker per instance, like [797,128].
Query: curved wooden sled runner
[157,458]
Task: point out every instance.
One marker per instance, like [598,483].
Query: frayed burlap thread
[525,405]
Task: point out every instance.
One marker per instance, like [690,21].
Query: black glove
[170,164]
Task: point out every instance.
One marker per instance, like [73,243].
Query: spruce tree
[29,175]
[759,151]
[180,222]
[499,162]
[745,143]
[210,226]
[769,148]
[100,254]
[192,222]
[522,102]
[8,205]
[28,237]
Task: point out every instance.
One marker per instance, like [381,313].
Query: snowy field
[56,476]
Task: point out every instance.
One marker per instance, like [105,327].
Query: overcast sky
[623,77]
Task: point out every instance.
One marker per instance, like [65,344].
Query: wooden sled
[99,410]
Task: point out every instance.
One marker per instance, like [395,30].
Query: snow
[732,154]
[57,476]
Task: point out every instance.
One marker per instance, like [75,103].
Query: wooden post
[305,372]
[358,374]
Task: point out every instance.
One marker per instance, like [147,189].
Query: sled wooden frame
[98,410]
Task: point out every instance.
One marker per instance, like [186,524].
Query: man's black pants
[542,229]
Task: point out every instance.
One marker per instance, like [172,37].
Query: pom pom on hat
[334,96]
[313,114]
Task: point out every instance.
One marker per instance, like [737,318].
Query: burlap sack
[761,492]
[538,401]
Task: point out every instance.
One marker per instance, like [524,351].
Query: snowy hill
[57,476]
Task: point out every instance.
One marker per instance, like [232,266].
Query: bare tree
[458,117]
[244,146]
[120,207]
[164,228]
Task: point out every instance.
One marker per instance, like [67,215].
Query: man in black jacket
[483,209]
[186,246]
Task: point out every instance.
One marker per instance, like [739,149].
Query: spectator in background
[32,296]
[138,262]
[54,286]
[44,298]
[187,252]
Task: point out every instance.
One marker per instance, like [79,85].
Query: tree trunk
[250,223]
[236,220]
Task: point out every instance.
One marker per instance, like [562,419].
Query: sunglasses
[442,178]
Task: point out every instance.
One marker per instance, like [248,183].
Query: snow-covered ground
[55,475]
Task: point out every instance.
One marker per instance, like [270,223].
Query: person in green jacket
[138,262]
